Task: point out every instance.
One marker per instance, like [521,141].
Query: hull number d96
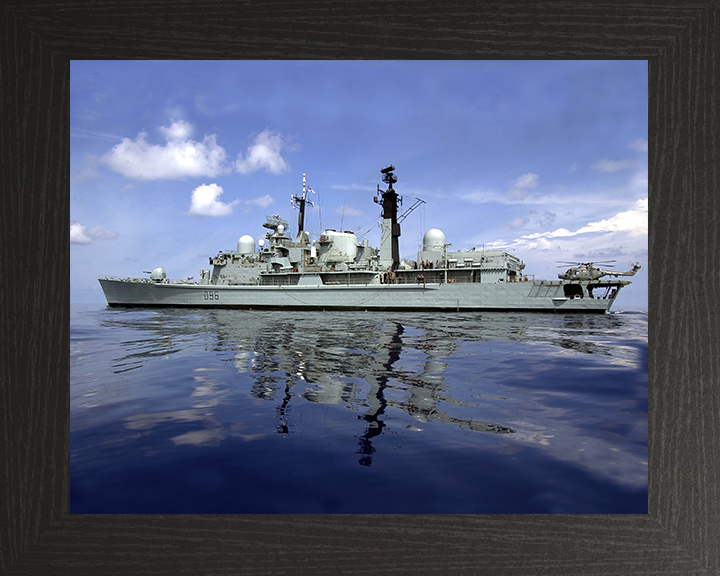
[210,295]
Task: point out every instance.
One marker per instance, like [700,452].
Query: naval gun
[588,270]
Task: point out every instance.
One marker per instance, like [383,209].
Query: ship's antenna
[320,212]
[300,201]
[342,215]
[301,217]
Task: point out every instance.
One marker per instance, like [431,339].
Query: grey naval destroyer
[339,272]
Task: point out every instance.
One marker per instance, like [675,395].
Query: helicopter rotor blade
[603,262]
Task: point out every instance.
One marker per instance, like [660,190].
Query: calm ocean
[229,411]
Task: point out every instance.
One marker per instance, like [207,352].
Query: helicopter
[588,270]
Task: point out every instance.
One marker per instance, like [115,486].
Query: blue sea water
[231,411]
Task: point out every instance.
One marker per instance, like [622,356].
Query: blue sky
[173,161]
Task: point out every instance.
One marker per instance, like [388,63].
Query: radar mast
[389,245]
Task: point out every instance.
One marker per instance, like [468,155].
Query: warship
[339,272]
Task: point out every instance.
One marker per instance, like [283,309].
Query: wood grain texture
[680,534]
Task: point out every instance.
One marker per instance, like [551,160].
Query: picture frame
[38,535]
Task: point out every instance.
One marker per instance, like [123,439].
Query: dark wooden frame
[680,535]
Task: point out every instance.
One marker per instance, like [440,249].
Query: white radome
[434,239]
[246,244]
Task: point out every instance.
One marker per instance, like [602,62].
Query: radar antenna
[274,222]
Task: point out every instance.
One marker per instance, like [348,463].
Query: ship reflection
[376,398]
[352,360]
[370,363]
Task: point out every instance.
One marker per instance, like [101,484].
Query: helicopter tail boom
[634,270]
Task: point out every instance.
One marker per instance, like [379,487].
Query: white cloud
[559,233]
[205,201]
[526,181]
[571,197]
[178,158]
[640,145]
[633,221]
[605,165]
[262,201]
[521,186]
[179,130]
[80,235]
[102,233]
[263,154]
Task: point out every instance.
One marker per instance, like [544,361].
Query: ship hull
[520,296]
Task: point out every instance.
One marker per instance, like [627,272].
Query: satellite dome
[434,239]
[246,244]
[158,274]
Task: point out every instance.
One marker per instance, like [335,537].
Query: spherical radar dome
[434,239]
[246,244]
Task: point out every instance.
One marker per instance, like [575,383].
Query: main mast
[389,245]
